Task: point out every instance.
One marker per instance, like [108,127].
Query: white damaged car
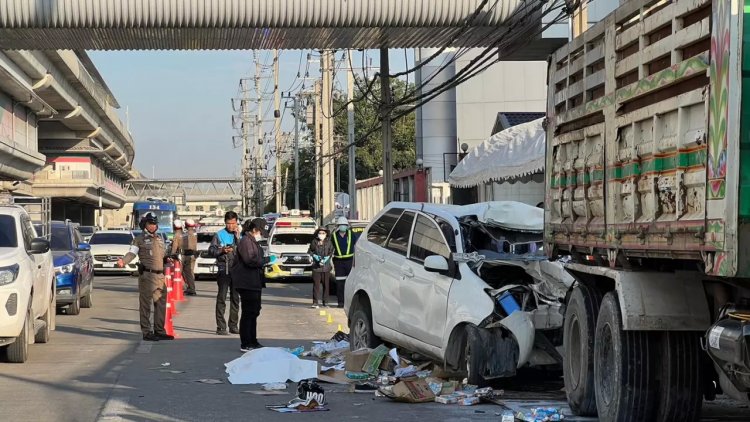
[467,286]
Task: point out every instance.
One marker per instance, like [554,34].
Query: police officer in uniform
[151,251]
[184,245]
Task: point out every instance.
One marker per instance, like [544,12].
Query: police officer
[343,255]
[151,251]
[189,256]
[184,245]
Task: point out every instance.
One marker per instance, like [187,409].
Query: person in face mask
[248,280]
[321,251]
[343,257]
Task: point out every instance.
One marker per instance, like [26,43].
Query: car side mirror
[436,264]
[83,247]
[39,245]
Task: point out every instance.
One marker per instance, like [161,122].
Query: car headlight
[8,274]
[64,269]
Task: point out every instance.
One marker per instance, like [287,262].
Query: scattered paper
[338,367]
[394,355]
[165,364]
[266,393]
[275,386]
[210,381]
[171,371]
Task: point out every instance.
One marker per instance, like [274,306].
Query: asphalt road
[97,368]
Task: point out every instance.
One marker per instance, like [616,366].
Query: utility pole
[385,118]
[259,138]
[277,128]
[326,102]
[318,116]
[350,139]
[243,122]
[296,112]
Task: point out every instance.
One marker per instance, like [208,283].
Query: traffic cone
[168,325]
[170,288]
[178,282]
[330,319]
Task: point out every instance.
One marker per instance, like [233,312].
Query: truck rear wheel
[623,367]
[578,338]
[680,377]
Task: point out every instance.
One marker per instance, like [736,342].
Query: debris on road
[541,414]
[165,364]
[275,386]
[266,393]
[268,365]
[209,381]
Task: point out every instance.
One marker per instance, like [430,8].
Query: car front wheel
[362,335]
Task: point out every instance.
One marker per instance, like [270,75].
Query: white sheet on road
[269,364]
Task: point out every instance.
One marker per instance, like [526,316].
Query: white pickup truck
[27,285]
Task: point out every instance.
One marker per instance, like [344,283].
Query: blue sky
[179,103]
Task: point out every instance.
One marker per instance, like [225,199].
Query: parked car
[74,267]
[107,246]
[27,289]
[289,241]
[86,232]
[205,263]
[466,286]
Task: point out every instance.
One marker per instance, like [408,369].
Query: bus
[166,212]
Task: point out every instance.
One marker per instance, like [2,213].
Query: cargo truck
[648,193]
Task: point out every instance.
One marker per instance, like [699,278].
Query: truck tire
[578,338]
[680,387]
[18,351]
[624,366]
[362,334]
[473,360]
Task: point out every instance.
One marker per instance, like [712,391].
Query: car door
[390,261]
[41,294]
[424,295]
[85,261]
[370,255]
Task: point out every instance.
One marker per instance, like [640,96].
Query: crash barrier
[168,323]
[178,282]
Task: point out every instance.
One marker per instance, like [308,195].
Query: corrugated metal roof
[252,24]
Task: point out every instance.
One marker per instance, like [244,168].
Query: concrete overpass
[193,190]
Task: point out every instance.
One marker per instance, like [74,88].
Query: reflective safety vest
[348,253]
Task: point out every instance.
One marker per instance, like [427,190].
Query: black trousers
[249,319]
[225,286]
[318,280]
[343,267]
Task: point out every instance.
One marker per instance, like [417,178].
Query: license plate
[108,265]
[297,271]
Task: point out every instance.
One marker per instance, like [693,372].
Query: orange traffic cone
[168,325]
[169,282]
[178,282]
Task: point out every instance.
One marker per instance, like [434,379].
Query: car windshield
[123,238]
[205,237]
[85,230]
[8,237]
[292,239]
[60,240]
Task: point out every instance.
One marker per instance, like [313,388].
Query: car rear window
[123,238]
[378,232]
[8,236]
[61,239]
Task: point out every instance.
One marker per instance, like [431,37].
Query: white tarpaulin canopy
[515,152]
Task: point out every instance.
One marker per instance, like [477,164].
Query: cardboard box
[413,390]
[373,362]
[356,360]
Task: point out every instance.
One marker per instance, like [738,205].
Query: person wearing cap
[248,279]
[321,252]
[343,257]
[150,249]
[184,245]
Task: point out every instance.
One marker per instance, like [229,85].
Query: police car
[289,241]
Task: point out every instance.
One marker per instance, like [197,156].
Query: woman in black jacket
[248,280]
[321,251]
